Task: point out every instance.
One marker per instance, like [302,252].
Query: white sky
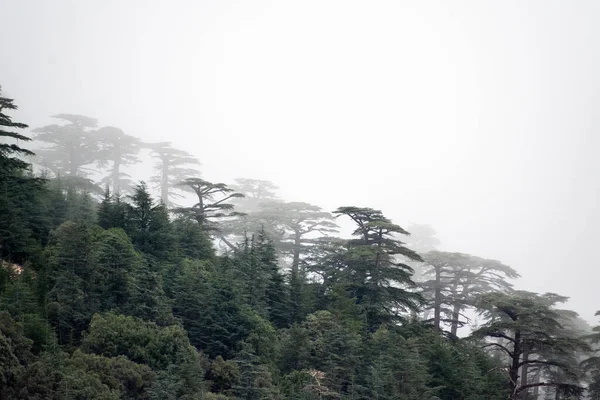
[477,117]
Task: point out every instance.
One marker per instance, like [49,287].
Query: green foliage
[143,342]
[67,272]
[209,307]
[110,298]
[376,279]
[528,330]
[58,376]
[148,225]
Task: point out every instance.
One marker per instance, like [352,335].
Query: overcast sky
[477,117]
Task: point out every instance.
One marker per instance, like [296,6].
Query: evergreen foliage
[114,296]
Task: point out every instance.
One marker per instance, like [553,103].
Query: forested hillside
[118,289]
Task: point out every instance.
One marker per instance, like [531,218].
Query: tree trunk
[536,390]
[456,308]
[296,255]
[455,317]
[228,243]
[116,175]
[513,373]
[164,184]
[437,306]
[524,372]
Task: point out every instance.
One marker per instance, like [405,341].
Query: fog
[477,118]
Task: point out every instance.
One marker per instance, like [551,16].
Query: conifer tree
[531,335]
[73,145]
[455,279]
[22,218]
[172,167]
[117,149]
[376,277]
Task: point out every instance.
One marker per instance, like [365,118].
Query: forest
[178,287]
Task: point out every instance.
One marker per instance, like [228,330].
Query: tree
[23,221]
[10,153]
[457,278]
[212,202]
[73,145]
[294,228]
[14,353]
[148,225]
[206,302]
[113,263]
[262,284]
[67,276]
[171,168]
[422,238]
[112,211]
[376,279]
[591,365]
[117,149]
[300,221]
[396,367]
[255,191]
[528,332]
[323,343]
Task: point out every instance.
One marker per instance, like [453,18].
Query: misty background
[475,117]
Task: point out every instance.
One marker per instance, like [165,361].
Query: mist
[477,118]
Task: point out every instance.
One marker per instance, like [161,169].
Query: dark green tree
[526,329]
[23,221]
[376,276]
[67,278]
[210,308]
[11,154]
[148,224]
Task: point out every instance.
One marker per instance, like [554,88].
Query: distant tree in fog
[73,145]
[455,280]
[117,149]
[172,167]
[255,191]
[213,202]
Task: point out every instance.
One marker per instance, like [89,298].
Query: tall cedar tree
[378,279]
[455,279]
[117,149]
[213,203]
[73,149]
[172,167]
[528,332]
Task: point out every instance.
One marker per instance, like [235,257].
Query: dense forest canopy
[109,289]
